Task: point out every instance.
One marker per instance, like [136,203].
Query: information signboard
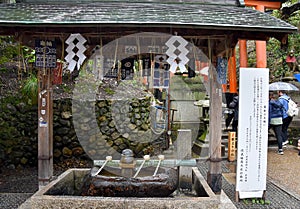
[252,132]
[45,53]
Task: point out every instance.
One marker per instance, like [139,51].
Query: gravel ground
[16,186]
[19,181]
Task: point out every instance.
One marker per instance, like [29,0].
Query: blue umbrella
[276,86]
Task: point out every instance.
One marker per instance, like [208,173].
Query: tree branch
[288,11]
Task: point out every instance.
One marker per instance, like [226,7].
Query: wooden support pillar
[45,127]
[214,175]
[232,73]
[243,53]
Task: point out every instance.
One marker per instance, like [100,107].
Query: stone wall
[119,125]
[18,134]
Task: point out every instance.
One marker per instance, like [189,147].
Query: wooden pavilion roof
[111,19]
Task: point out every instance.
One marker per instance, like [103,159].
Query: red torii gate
[261,49]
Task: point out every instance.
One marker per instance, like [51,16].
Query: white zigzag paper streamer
[183,59]
[80,51]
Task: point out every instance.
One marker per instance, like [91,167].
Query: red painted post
[232,73]
[243,53]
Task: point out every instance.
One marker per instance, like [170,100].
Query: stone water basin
[111,183]
[65,192]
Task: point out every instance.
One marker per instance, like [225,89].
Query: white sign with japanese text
[252,132]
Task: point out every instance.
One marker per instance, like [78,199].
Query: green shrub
[30,89]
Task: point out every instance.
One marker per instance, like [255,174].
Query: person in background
[229,111]
[276,110]
[298,147]
[235,105]
[283,99]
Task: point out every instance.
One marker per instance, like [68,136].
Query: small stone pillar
[184,152]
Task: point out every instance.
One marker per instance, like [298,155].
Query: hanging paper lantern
[75,51]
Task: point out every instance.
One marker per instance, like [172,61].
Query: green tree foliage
[277,53]
[11,50]
[8,49]
[22,57]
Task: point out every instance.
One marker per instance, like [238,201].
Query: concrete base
[202,149]
[70,182]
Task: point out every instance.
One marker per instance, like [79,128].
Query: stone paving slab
[284,169]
